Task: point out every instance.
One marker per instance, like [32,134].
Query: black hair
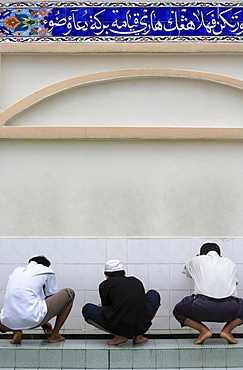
[207,247]
[41,260]
[115,273]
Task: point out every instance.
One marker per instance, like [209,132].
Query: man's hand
[47,328]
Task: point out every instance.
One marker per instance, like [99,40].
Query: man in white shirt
[32,298]
[215,296]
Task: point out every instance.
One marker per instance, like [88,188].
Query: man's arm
[187,269]
[51,285]
[103,294]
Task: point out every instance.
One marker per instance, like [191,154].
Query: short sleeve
[51,285]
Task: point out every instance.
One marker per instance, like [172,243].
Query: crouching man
[125,310]
[215,296]
[32,299]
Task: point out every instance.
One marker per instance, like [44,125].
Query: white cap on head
[113,266]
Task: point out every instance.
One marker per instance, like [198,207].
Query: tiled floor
[96,354]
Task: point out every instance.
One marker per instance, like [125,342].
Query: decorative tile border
[121,22]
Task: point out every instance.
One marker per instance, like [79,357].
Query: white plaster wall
[157,262]
[121,188]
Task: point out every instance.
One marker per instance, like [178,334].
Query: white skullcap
[113,266]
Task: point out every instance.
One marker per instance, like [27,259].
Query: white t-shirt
[24,302]
[213,276]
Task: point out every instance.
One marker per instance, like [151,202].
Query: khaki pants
[57,303]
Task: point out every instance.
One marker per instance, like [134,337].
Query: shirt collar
[31,263]
[213,254]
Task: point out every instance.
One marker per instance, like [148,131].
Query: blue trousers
[201,308]
[92,312]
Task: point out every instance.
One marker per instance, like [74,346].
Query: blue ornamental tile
[135,22]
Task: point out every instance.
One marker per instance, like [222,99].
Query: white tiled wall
[79,264]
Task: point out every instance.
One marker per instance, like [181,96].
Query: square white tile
[180,250]
[10,250]
[159,276]
[95,251]
[74,276]
[137,250]
[237,250]
[31,247]
[94,275]
[53,249]
[73,250]
[226,247]
[178,280]
[159,250]
[117,249]
[160,322]
[92,296]
[76,323]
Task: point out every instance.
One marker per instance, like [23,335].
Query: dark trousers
[201,308]
[92,312]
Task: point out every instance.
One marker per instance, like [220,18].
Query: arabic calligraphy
[122,21]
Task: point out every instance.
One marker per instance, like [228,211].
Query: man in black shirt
[125,310]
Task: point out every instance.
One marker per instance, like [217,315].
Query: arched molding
[113,132]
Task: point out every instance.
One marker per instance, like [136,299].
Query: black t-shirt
[124,302]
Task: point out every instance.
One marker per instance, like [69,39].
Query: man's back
[125,302]
[24,303]
[213,275]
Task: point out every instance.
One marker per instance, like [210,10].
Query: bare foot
[228,336]
[17,337]
[139,339]
[47,327]
[117,340]
[203,336]
[54,338]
